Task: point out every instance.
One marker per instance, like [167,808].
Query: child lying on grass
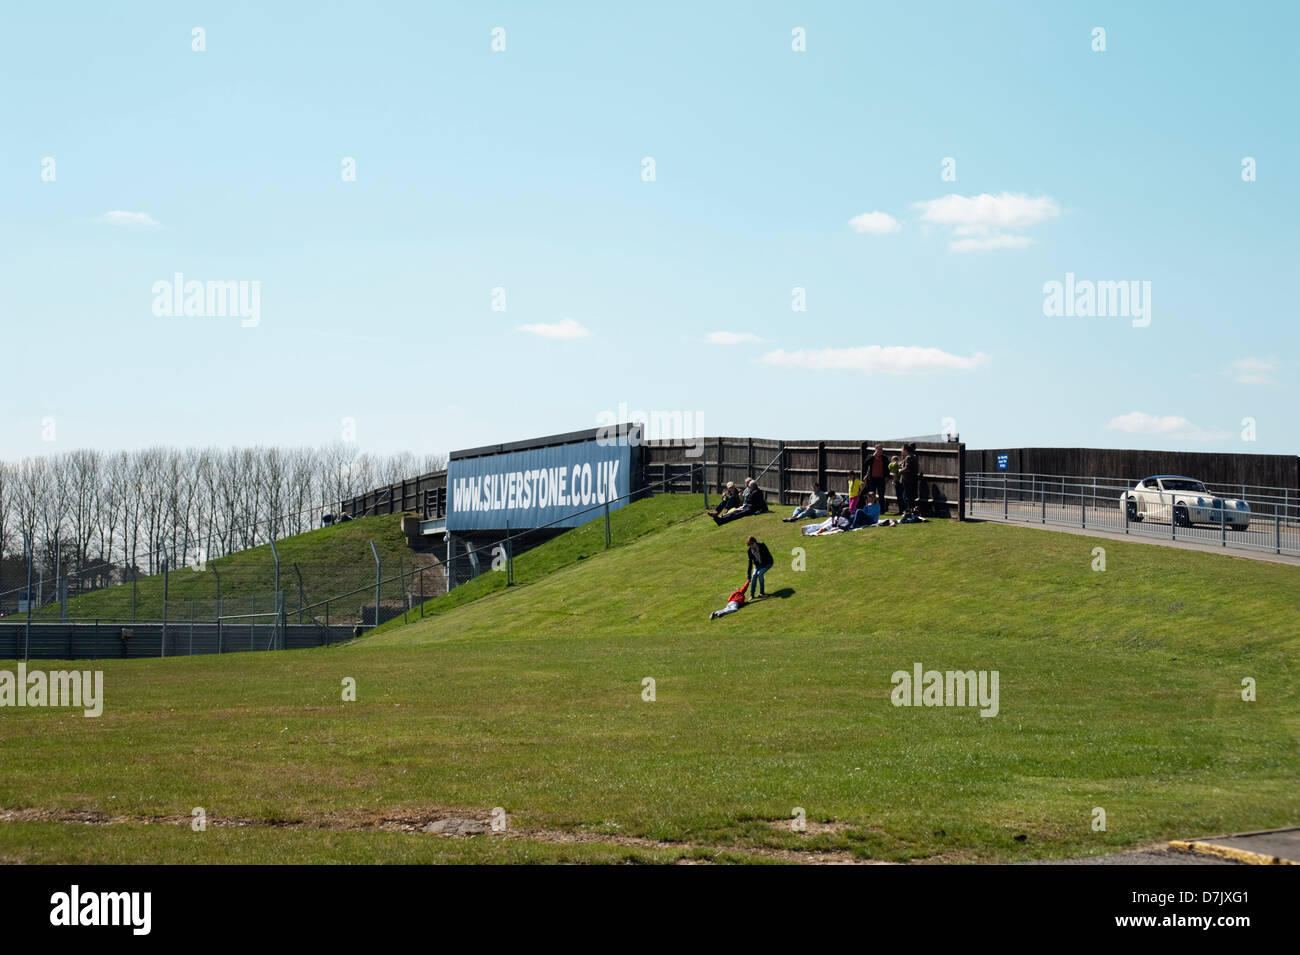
[734,602]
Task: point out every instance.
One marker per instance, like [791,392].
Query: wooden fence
[791,468]
[786,470]
[1216,468]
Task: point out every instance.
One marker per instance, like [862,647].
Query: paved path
[1197,540]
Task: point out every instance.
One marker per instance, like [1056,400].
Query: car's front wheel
[1180,516]
[1132,507]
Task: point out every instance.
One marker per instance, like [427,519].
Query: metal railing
[1272,524]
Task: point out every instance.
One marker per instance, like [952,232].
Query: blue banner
[536,487]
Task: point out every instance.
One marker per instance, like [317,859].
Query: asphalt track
[1260,541]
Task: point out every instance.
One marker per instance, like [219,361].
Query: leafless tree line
[96,517]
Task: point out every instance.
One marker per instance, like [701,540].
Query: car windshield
[1182,484]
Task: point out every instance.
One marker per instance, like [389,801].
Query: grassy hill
[332,560]
[1119,690]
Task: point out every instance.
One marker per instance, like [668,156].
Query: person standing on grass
[898,486]
[909,472]
[760,562]
[877,471]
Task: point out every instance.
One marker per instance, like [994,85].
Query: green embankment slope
[1118,689]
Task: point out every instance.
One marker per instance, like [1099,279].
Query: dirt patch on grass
[452,823]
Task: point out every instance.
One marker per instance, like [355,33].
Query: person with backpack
[734,602]
[760,562]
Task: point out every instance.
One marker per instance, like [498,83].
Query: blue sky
[523,170]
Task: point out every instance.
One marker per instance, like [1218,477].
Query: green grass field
[1119,690]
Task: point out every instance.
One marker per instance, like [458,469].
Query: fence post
[1043,502]
[278,607]
[1277,533]
[510,563]
[166,561]
[706,504]
[27,638]
[1083,508]
[450,564]
[374,550]
[1004,495]
[217,574]
[1223,528]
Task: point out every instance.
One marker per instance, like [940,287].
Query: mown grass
[1119,690]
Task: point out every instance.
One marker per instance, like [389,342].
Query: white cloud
[889,359]
[134,220]
[1253,371]
[987,222]
[989,243]
[564,329]
[1163,426]
[875,223]
[732,338]
[1007,210]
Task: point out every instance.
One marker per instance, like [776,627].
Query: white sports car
[1184,500]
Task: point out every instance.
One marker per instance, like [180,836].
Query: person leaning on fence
[730,500]
[815,506]
[909,472]
[898,487]
[760,562]
[751,502]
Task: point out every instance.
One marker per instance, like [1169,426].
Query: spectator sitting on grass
[730,500]
[832,525]
[867,513]
[752,502]
[815,506]
[913,516]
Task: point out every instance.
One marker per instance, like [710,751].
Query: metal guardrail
[1094,503]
